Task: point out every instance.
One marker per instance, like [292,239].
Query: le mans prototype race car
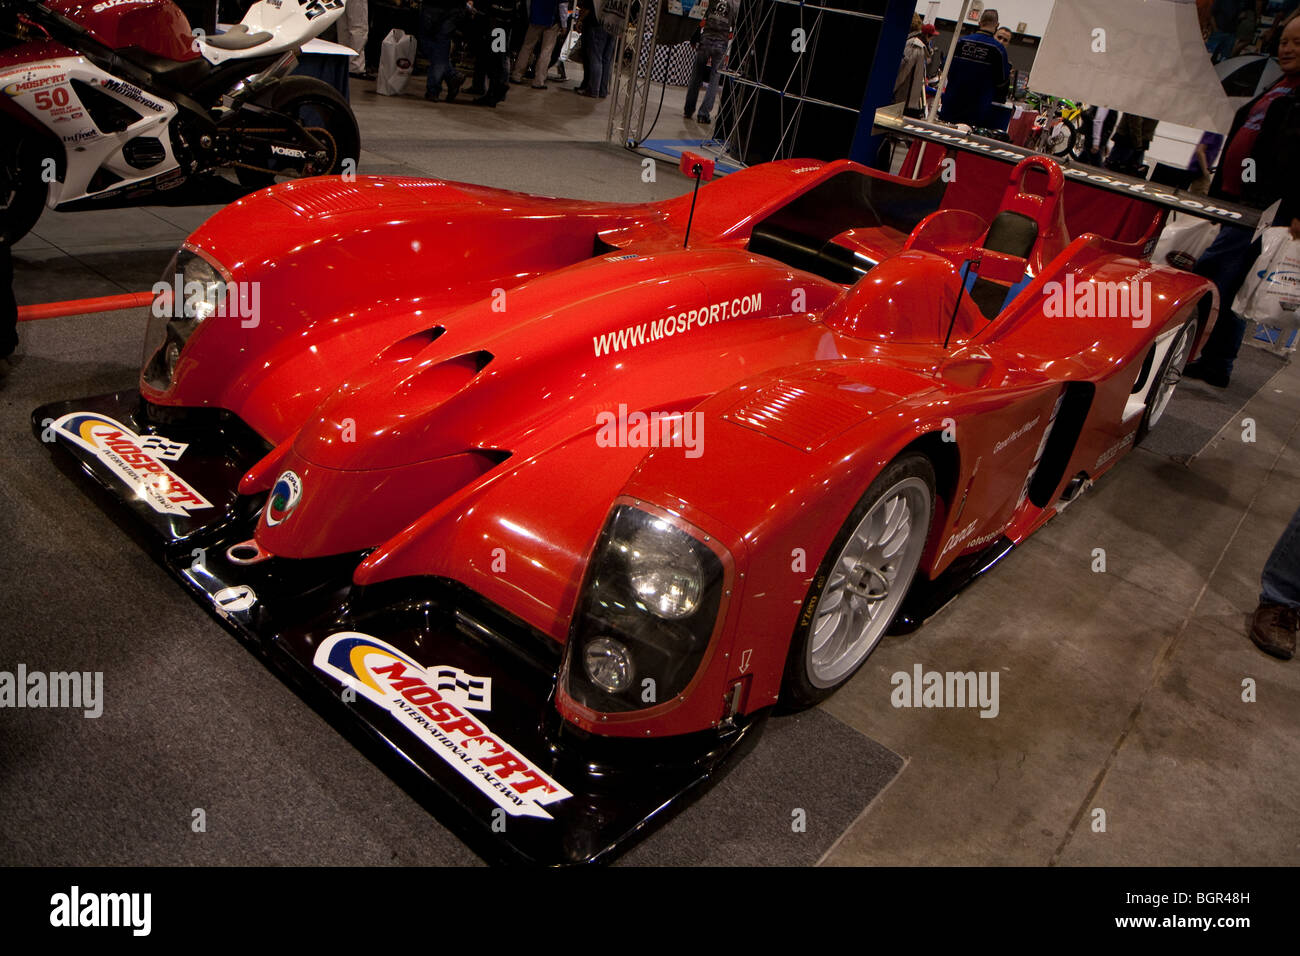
[557,510]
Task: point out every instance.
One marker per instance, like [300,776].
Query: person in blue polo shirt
[979,75]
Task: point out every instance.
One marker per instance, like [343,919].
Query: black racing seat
[165,73]
[1014,234]
[238,37]
[197,78]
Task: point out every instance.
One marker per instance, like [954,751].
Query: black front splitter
[461,711]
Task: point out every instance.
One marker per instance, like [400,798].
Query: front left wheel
[1167,378]
[861,582]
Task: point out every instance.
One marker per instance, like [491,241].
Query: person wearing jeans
[598,44]
[1277,618]
[438,21]
[719,21]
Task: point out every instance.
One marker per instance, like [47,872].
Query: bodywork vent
[795,414]
[320,200]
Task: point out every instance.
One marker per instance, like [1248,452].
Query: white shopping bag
[1271,293]
[396,58]
[1183,240]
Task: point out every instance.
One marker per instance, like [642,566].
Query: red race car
[557,502]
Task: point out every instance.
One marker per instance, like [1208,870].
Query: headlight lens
[203,288]
[647,612]
[665,572]
[190,291]
[608,664]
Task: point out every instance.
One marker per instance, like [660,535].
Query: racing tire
[1167,379]
[325,114]
[861,582]
[22,189]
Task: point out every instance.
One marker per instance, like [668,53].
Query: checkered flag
[160,447]
[472,692]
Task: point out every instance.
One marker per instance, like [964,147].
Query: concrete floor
[1120,691]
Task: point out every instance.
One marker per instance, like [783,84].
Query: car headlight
[665,572]
[648,609]
[190,291]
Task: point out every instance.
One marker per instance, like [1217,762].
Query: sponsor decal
[110,4]
[27,70]
[81,136]
[284,498]
[1115,449]
[1014,435]
[647,332]
[29,83]
[958,537]
[130,92]
[433,704]
[234,600]
[140,461]
[287,151]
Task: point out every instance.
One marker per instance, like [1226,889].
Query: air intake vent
[144,151]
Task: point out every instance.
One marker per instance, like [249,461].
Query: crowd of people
[529,41]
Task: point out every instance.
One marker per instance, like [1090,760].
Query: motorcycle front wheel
[309,130]
[23,188]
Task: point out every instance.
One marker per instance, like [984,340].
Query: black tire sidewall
[797,691]
[30,193]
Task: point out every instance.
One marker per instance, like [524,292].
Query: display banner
[1170,198]
[1146,58]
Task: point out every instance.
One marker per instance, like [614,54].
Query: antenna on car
[971,264]
[692,164]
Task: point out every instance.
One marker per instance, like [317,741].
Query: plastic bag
[1183,240]
[396,59]
[1271,293]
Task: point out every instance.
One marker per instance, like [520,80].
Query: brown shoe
[1274,628]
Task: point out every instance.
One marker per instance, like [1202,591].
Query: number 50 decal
[45,99]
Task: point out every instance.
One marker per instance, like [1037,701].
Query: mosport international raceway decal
[432,703]
[138,460]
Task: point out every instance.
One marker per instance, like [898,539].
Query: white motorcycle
[119,103]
